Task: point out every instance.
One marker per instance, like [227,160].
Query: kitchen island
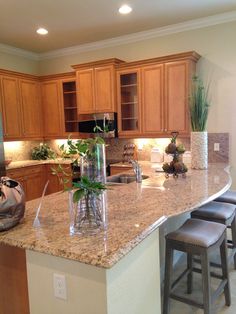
[115,271]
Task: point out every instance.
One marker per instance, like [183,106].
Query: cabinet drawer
[15,173]
[33,170]
[24,171]
[116,170]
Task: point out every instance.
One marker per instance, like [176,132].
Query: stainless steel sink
[123,178]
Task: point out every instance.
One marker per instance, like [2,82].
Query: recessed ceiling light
[42,31]
[125,9]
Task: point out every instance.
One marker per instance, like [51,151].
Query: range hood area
[103,123]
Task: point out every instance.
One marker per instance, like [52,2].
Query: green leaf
[78,194]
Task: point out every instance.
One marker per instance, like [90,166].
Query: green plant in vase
[198,105]
[86,197]
[198,110]
[86,206]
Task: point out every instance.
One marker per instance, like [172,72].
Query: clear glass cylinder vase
[93,165]
[88,215]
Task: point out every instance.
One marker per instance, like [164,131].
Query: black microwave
[105,124]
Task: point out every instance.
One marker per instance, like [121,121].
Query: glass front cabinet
[128,102]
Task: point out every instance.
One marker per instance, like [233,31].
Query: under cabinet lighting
[42,31]
[125,9]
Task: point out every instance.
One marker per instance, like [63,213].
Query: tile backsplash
[21,150]
[114,150]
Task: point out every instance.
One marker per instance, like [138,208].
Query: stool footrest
[213,274]
[177,280]
[219,290]
[186,300]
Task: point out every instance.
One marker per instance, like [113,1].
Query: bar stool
[223,213]
[197,237]
[227,197]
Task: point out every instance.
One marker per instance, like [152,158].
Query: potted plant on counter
[87,204]
[87,207]
[199,108]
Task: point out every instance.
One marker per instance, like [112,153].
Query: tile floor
[219,308]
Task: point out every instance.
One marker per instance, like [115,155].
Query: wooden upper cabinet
[176,96]
[52,108]
[11,111]
[69,101]
[129,102]
[31,108]
[85,87]
[96,88]
[152,100]
[153,95]
[104,89]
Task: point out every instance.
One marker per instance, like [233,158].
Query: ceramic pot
[199,150]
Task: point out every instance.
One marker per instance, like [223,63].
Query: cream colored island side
[117,271]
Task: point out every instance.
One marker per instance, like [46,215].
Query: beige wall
[216,44]
[18,64]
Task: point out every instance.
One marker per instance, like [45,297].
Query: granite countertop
[134,211]
[28,163]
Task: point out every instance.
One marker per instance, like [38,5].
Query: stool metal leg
[168,273]
[190,275]
[225,272]
[233,231]
[207,303]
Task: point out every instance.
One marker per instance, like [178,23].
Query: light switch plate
[216,147]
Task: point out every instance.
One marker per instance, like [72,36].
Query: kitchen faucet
[137,170]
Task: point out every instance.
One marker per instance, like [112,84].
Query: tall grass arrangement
[198,105]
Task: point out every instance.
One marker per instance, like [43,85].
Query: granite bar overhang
[134,211]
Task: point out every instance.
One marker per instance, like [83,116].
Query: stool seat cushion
[215,210]
[228,197]
[198,232]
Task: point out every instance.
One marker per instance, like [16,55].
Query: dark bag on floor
[12,203]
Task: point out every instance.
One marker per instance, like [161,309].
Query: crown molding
[125,39]
[19,52]
[156,32]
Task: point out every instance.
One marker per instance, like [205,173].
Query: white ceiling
[76,22]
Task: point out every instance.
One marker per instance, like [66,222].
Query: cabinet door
[152,100]
[51,101]
[70,106]
[104,89]
[85,88]
[31,108]
[11,108]
[129,106]
[55,184]
[34,186]
[176,97]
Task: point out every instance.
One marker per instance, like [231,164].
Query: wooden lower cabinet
[117,169]
[33,179]
[55,182]
[13,277]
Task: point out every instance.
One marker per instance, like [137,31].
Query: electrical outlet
[59,284]
[216,147]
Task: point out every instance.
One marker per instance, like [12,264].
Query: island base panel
[131,286]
